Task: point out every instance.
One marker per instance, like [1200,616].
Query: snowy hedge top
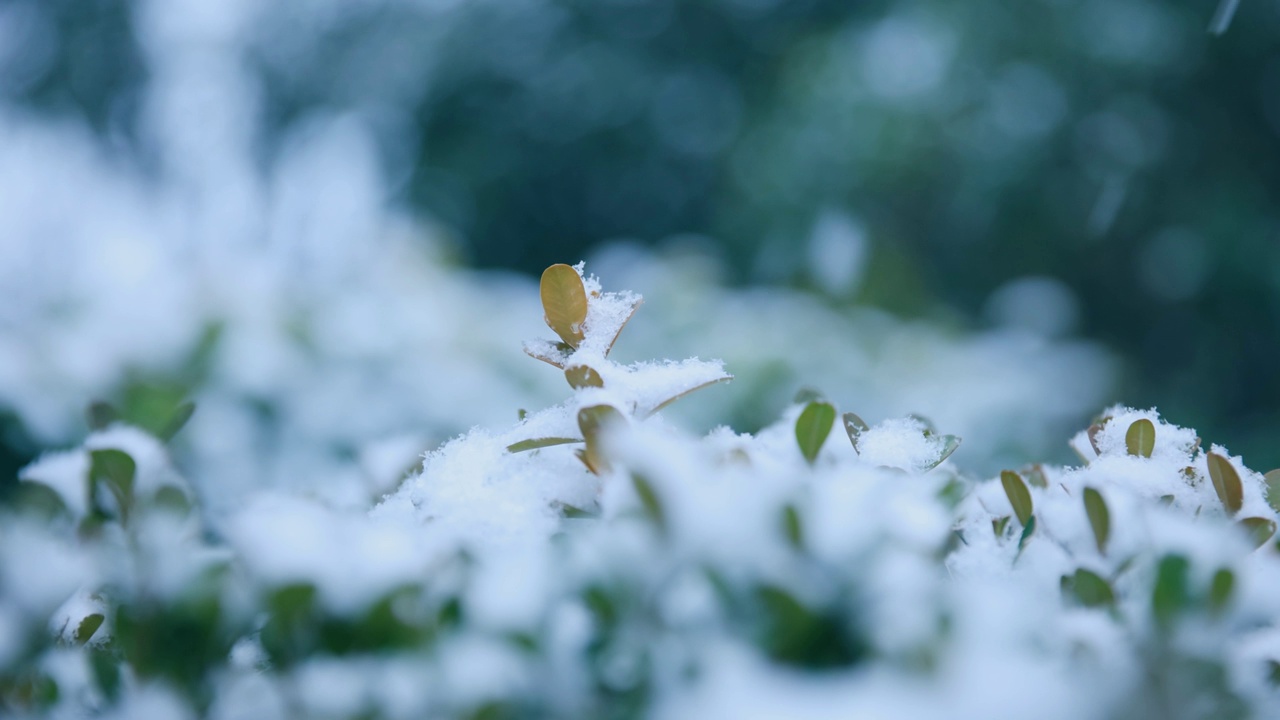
[595,561]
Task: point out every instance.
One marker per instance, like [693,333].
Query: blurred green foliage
[1115,145]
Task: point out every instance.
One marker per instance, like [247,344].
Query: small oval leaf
[1140,440]
[177,421]
[791,527]
[1273,489]
[949,445]
[1226,481]
[1089,589]
[812,428]
[115,469]
[999,524]
[649,500]
[581,376]
[100,414]
[1099,518]
[593,421]
[1018,494]
[854,427]
[1170,596]
[564,302]
[88,626]
[535,443]
[1260,529]
[1220,590]
[1093,431]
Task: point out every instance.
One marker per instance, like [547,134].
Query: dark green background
[530,131]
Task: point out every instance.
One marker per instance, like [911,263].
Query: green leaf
[792,633]
[1220,590]
[634,306]
[854,427]
[100,414]
[575,512]
[1035,476]
[999,524]
[1260,529]
[564,302]
[1018,494]
[172,498]
[693,389]
[1028,530]
[953,492]
[1169,595]
[535,443]
[806,395]
[1092,432]
[581,376]
[116,470]
[177,421]
[1089,589]
[649,500]
[1140,440]
[1099,518]
[521,414]
[812,428]
[791,527]
[949,445]
[593,422]
[38,499]
[1226,481]
[929,428]
[88,626]
[1273,489]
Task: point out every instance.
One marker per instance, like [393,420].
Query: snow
[349,351]
[899,443]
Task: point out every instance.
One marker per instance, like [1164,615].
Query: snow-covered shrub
[606,563]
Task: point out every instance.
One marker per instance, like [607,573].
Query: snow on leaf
[1260,529]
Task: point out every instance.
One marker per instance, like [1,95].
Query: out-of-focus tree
[1116,149]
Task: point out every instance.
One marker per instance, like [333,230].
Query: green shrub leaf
[1028,530]
[1220,590]
[1018,494]
[535,443]
[1140,440]
[116,470]
[1169,595]
[1226,481]
[593,421]
[581,376]
[791,526]
[1273,489]
[949,445]
[177,421]
[854,427]
[88,626]
[564,302]
[649,500]
[100,414]
[1089,589]
[812,428]
[1260,529]
[1099,518]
